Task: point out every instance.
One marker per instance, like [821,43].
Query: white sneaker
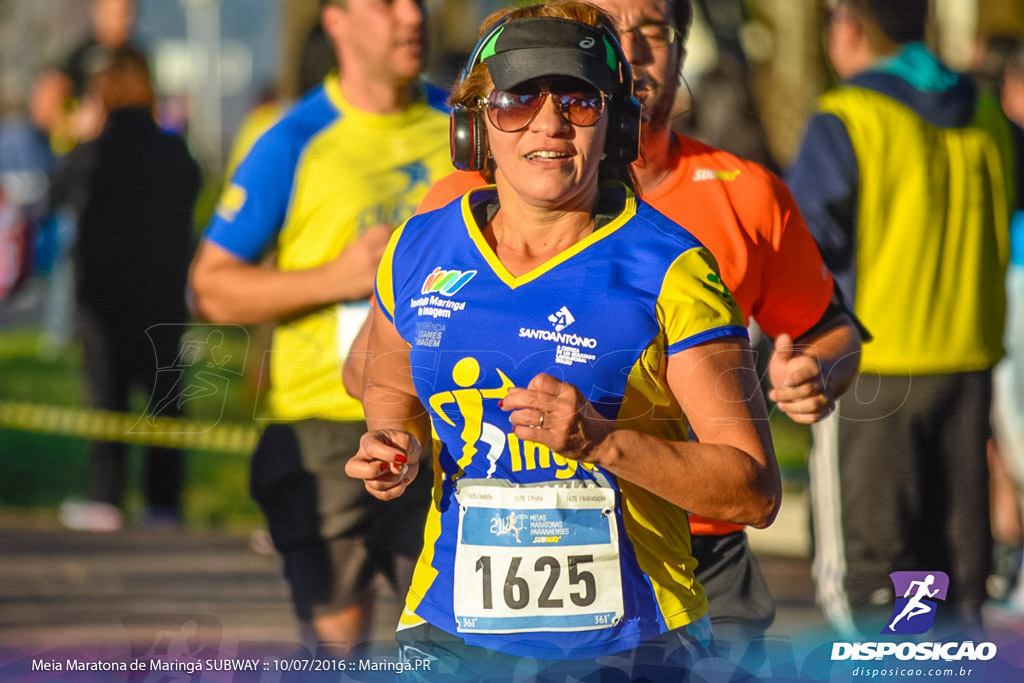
[261,543]
[88,515]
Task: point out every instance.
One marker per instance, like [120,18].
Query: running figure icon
[918,594]
[512,524]
[915,607]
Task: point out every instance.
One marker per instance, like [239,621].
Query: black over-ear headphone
[468,132]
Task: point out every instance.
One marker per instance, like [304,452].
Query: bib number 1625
[536,559]
[546,575]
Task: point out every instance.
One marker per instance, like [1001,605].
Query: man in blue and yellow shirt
[906,178]
[324,188]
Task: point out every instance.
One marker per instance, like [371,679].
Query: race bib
[351,316]
[536,559]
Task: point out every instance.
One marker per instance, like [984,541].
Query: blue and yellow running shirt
[309,188]
[553,558]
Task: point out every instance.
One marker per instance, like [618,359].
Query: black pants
[899,482]
[740,605]
[119,355]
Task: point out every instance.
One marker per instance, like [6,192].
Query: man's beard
[657,103]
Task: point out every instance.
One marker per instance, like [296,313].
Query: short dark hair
[316,59]
[898,21]
[682,16]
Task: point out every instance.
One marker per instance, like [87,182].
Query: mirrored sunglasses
[511,112]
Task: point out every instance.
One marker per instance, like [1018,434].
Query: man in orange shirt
[748,219]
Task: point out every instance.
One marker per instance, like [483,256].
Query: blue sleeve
[437,98]
[252,208]
[823,178]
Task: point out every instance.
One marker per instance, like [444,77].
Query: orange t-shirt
[748,219]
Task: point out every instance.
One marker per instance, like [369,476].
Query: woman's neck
[525,236]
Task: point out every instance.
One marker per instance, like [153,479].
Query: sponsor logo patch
[231,202]
[702,174]
[446,282]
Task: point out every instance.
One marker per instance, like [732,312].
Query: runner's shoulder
[738,174]
[284,141]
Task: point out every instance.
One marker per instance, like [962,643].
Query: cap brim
[515,67]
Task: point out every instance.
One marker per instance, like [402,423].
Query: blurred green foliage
[41,470]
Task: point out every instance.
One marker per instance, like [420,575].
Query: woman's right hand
[387,462]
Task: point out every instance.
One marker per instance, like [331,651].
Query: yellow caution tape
[101,425]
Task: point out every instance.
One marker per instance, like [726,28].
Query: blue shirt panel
[267,175]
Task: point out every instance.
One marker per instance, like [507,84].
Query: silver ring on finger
[540,425]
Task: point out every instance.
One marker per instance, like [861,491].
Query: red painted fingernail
[401,458]
[501,403]
[384,466]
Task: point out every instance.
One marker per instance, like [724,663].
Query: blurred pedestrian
[131,192]
[1001,67]
[325,187]
[1011,83]
[26,163]
[26,157]
[112,23]
[906,179]
[1008,417]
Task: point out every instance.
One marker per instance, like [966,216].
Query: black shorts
[328,576]
[333,535]
[432,654]
[739,602]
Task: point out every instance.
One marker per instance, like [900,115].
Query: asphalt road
[79,589]
[181,594]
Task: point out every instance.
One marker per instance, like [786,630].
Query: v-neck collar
[477,235]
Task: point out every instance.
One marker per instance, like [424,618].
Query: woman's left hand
[555,414]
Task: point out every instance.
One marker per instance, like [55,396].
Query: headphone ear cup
[468,139]
[459,136]
[623,145]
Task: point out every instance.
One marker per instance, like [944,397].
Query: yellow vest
[932,235]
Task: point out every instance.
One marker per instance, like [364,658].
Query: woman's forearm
[389,408]
[713,480]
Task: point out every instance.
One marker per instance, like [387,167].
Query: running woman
[482,303]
